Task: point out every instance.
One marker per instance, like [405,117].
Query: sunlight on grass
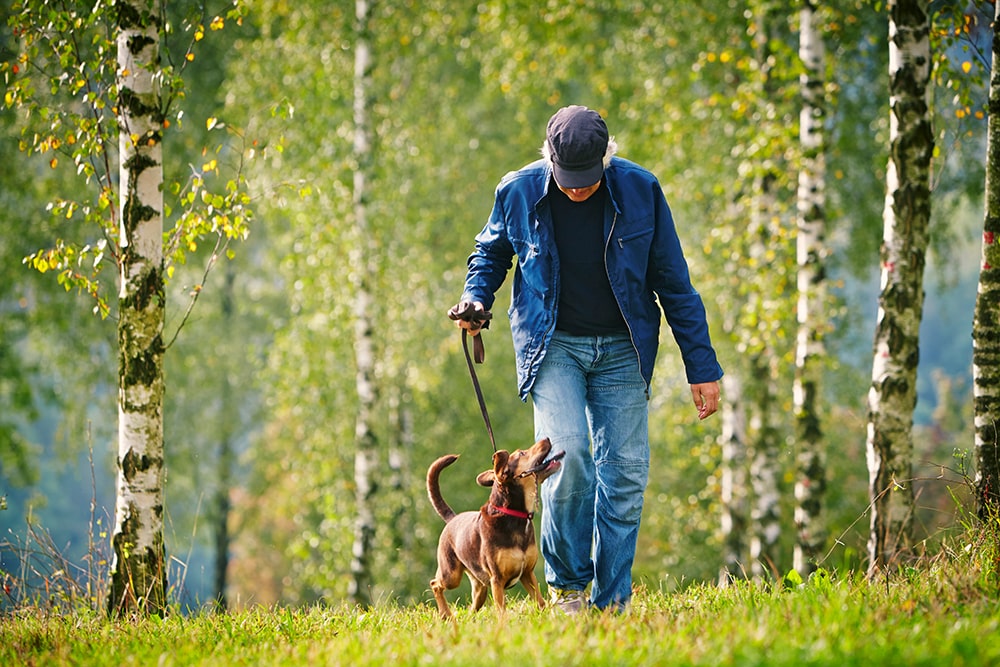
[917,618]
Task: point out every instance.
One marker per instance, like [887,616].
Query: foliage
[461,96]
[61,86]
[63,82]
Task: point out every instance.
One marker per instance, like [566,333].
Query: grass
[939,614]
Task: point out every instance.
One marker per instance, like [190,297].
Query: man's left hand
[706,398]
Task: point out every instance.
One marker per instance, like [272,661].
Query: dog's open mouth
[549,464]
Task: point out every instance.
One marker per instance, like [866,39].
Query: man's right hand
[470,315]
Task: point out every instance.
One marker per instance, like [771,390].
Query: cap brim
[578,178]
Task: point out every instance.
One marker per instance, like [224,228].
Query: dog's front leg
[530,584]
[499,595]
[479,591]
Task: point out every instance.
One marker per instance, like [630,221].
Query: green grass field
[942,613]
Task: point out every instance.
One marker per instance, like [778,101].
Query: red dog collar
[515,513]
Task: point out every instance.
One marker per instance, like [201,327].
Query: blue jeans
[590,400]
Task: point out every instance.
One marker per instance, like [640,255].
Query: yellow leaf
[966,67]
[54,163]
[210,122]
[189,57]
[218,23]
[199,34]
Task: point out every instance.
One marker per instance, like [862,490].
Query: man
[596,249]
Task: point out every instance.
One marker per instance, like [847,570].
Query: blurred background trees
[261,399]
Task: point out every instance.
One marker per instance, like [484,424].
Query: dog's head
[537,461]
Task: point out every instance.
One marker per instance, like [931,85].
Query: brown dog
[496,545]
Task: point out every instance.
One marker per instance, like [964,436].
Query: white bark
[366,444]
[763,229]
[765,474]
[810,478]
[734,482]
[892,396]
[986,322]
[138,570]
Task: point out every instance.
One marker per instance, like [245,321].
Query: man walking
[598,259]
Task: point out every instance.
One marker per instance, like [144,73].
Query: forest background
[261,395]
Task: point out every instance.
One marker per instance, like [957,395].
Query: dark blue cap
[577,139]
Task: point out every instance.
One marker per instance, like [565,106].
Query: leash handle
[480,351]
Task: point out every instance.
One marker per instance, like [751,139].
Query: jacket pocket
[628,238]
[534,265]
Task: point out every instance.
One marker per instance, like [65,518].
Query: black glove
[471,312]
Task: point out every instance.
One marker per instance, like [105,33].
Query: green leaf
[793,579]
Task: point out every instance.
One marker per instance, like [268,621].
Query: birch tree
[810,477]
[766,235]
[733,482]
[229,419]
[104,103]
[986,319]
[366,443]
[138,567]
[756,243]
[893,393]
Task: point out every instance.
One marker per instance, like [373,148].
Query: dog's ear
[487,477]
[500,460]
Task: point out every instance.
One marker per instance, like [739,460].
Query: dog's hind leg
[438,589]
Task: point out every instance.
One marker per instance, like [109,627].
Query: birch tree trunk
[398,498]
[893,394]
[224,465]
[765,473]
[810,475]
[734,482]
[366,453]
[138,568]
[764,232]
[986,320]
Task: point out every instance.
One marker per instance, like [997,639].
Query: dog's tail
[434,488]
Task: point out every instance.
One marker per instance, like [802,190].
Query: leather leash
[480,352]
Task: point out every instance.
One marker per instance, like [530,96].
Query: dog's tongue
[551,462]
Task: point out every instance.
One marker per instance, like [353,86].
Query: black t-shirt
[587,306]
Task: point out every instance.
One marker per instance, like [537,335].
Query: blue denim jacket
[642,254]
